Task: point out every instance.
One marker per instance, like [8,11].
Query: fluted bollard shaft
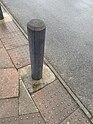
[36,35]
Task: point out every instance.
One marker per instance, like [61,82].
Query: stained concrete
[26,103]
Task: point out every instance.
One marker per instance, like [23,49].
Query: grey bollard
[36,36]
[1,13]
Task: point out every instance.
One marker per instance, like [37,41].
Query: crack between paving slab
[9,117]
[7,67]
[9,56]
[28,93]
[74,112]
[88,114]
[29,113]
[69,115]
[38,109]
[15,97]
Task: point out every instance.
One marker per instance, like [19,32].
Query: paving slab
[11,120]
[8,107]
[31,119]
[54,103]
[33,85]
[26,103]
[6,28]
[5,61]
[14,40]
[20,56]
[76,117]
[9,83]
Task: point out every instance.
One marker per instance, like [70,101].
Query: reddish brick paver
[14,40]
[9,83]
[7,28]
[8,107]
[54,103]
[20,56]
[11,120]
[34,118]
[5,61]
[76,117]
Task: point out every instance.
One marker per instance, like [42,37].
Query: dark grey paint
[36,35]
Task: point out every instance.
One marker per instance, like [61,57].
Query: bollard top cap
[36,25]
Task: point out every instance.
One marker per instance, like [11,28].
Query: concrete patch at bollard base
[34,85]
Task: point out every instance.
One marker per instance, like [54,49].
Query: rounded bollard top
[36,25]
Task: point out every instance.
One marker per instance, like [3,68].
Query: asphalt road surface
[69,39]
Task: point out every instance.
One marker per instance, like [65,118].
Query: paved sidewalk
[23,100]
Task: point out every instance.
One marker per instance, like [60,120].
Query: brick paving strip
[9,86]
[50,104]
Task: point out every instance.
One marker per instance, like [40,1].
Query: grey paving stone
[26,104]
[54,103]
[8,107]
